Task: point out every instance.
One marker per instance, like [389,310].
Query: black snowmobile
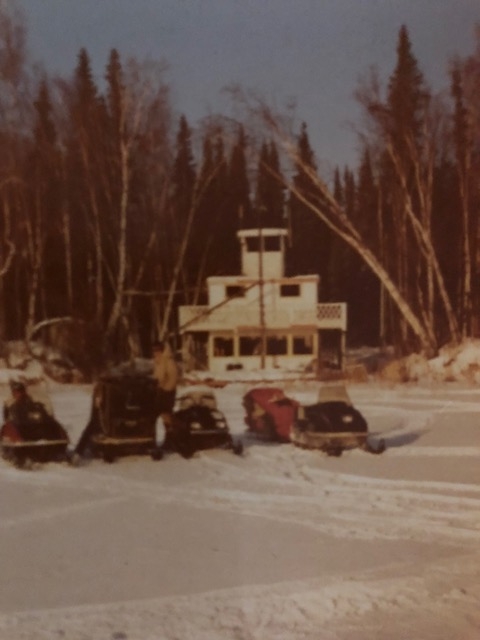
[30,433]
[123,419]
[198,424]
[333,425]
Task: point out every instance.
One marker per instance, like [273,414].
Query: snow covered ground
[280,544]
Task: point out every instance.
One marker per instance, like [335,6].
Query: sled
[35,436]
[123,419]
[333,425]
[270,414]
[198,424]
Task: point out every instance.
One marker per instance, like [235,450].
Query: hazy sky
[311,50]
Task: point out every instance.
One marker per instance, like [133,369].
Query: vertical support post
[263,345]
[343,348]
[318,351]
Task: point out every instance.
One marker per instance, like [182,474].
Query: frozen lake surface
[280,544]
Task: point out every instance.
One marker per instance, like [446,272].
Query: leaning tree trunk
[334,217]
[198,195]
[426,245]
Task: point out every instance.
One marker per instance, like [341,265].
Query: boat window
[271,243]
[289,290]
[250,345]
[234,291]
[222,347]
[276,345]
[302,345]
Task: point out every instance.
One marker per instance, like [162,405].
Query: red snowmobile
[270,413]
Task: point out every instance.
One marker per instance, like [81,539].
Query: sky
[311,51]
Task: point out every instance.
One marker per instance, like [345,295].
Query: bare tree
[139,92]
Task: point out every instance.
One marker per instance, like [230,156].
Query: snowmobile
[270,413]
[123,419]
[333,424]
[197,424]
[30,433]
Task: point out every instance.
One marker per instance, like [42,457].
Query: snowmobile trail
[335,504]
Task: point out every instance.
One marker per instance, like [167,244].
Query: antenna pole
[263,346]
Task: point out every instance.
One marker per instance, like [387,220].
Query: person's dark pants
[165,402]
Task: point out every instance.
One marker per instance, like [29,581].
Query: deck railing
[331,315]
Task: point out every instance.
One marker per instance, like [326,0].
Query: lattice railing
[334,314]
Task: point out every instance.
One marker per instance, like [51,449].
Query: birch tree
[14,118]
[132,93]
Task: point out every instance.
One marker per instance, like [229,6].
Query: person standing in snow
[165,372]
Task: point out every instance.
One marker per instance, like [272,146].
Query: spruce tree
[407,99]
[45,169]
[463,146]
[239,204]
[184,173]
[199,257]
[225,250]
[310,238]
[364,295]
[269,196]
[182,199]
[84,198]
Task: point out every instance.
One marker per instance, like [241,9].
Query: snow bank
[459,363]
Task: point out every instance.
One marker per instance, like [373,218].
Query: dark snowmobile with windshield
[123,418]
[333,424]
[30,433]
[198,424]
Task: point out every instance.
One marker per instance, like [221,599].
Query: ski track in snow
[286,485]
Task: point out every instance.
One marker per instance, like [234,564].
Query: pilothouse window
[223,347]
[289,290]
[270,243]
[234,291]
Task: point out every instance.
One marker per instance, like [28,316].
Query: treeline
[113,213]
